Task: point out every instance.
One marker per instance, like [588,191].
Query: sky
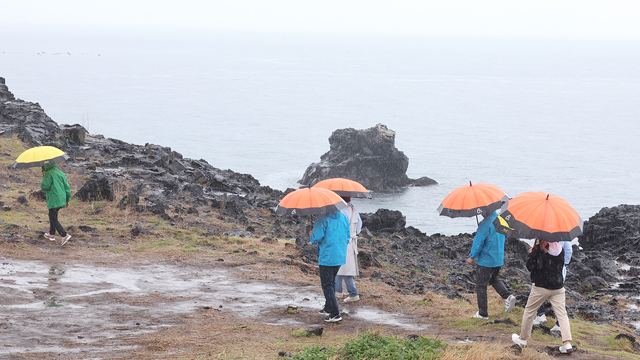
[582,19]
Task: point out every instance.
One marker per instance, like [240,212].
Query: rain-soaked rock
[96,190]
[592,283]
[75,133]
[269,240]
[129,200]
[315,331]
[137,230]
[368,156]
[38,195]
[384,220]
[615,229]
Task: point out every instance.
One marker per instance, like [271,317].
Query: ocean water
[523,114]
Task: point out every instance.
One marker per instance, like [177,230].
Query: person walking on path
[545,262]
[56,186]
[350,268]
[331,233]
[542,317]
[488,249]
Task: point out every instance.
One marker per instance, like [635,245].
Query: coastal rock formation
[153,175]
[367,156]
[616,229]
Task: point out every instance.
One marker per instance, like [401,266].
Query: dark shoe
[323,312]
[333,318]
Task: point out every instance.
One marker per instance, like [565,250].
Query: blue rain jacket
[488,245]
[331,233]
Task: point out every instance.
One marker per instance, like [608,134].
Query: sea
[555,115]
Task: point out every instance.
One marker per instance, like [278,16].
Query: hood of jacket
[50,167]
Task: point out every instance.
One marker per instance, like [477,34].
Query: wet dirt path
[73,309]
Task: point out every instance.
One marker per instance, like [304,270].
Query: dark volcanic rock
[95,190]
[616,229]
[384,220]
[368,156]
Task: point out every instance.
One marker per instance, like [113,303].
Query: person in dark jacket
[488,249]
[331,233]
[545,262]
[56,186]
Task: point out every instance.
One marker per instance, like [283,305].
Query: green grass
[300,333]
[371,345]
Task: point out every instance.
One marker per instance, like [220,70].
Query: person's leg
[483,276]
[339,279]
[351,286]
[54,224]
[557,300]
[53,220]
[541,310]
[327,281]
[497,284]
[537,296]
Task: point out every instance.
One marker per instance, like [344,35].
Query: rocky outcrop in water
[367,156]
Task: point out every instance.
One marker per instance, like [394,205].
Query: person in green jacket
[58,191]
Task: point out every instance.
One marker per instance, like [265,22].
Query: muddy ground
[76,310]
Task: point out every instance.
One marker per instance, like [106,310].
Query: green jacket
[56,186]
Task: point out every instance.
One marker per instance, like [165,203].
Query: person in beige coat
[350,268]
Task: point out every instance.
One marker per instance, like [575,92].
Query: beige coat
[350,268]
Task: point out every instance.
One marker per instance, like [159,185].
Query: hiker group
[336,235]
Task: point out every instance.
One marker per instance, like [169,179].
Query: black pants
[328,282]
[488,276]
[54,224]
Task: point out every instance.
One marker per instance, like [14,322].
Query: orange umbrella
[542,216]
[345,187]
[310,201]
[472,200]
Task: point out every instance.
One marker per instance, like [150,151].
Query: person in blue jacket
[488,249]
[331,233]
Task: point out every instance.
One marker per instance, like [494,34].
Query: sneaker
[478,316]
[65,239]
[352,298]
[516,339]
[509,303]
[556,328]
[50,237]
[540,319]
[566,349]
[323,312]
[341,295]
[334,318]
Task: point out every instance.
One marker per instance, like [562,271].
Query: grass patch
[298,333]
[372,345]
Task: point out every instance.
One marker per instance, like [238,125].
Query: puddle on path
[78,309]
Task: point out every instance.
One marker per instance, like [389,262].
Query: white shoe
[478,316]
[509,303]
[540,319]
[516,339]
[556,328]
[49,236]
[352,298]
[65,239]
[566,349]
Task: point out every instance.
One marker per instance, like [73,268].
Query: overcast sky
[591,19]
